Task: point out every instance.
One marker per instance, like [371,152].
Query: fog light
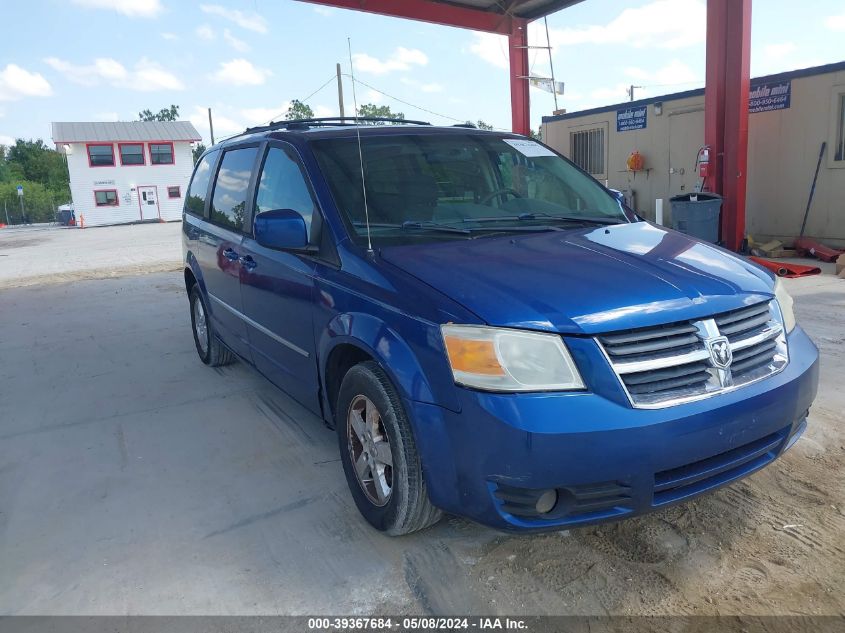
[546,502]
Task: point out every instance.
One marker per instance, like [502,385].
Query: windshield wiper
[543,216]
[423,225]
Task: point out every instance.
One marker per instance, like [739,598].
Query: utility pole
[210,127]
[339,91]
[6,210]
[631,91]
[23,212]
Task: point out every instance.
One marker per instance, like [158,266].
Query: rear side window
[228,205]
[198,189]
[283,186]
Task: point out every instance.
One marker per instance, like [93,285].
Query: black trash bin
[697,214]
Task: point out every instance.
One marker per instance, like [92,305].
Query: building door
[148,200]
[686,136]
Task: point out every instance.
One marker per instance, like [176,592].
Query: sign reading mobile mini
[767,97]
[631,119]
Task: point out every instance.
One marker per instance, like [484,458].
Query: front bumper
[606,460]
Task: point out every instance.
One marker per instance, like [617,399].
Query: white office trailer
[125,172]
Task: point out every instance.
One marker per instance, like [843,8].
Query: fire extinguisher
[702,162]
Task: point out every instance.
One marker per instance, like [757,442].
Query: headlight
[785,302]
[509,360]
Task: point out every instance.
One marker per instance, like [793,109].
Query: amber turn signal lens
[474,357]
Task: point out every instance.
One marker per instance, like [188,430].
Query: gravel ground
[42,254]
[133,480]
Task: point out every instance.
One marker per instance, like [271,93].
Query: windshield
[427,187]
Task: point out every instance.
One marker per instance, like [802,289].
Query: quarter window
[101,155]
[587,150]
[174,192]
[283,186]
[228,204]
[131,153]
[161,153]
[106,198]
[198,189]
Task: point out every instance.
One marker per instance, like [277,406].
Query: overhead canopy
[493,16]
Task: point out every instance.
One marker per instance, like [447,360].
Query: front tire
[379,455]
[209,348]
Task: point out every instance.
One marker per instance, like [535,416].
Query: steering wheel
[499,192]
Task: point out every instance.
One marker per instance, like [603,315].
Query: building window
[839,149]
[106,198]
[161,153]
[586,149]
[174,192]
[101,155]
[131,153]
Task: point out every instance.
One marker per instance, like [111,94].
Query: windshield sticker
[528,148]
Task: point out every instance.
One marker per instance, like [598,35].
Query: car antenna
[360,152]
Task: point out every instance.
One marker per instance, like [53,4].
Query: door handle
[248,262]
[231,255]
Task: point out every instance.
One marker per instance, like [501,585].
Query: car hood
[586,281]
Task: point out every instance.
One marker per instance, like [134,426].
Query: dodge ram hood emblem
[720,351]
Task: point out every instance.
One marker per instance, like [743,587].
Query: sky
[105,60]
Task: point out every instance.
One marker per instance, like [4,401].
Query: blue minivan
[490,332]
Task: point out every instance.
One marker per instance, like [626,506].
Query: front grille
[672,363]
[691,479]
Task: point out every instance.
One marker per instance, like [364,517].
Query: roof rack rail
[468,124]
[304,124]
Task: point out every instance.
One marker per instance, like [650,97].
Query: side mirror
[281,229]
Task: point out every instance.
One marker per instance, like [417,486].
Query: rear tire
[209,348]
[374,433]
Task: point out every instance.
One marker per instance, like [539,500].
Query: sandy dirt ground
[133,480]
[41,254]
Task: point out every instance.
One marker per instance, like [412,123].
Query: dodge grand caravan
[490,331]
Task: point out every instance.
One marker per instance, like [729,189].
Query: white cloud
[371,96]
[260,116]
[130,8]
[836,22]
[401,59]
[205,32]
[659,24]
[779,51]
[674,73]
[324,111]
[147,76]
[17,82]
[241,72]
[169,36]
[427,87]
[492,48]
[249,21]
[6,140]
[234,42]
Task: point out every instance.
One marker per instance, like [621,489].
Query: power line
[407,103]
[331,79]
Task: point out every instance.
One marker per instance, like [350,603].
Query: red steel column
[726,110]
[520,108]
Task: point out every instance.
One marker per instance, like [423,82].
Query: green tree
[198,150]
[32,160]
[381,112]
[165,114]
[481,125]
[299,110]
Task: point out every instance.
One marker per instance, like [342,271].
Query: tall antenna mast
[360,153]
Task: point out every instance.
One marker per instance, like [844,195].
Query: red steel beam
[726,110]
[428,11]
[518,57]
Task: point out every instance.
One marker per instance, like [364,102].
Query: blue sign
[632,119]
[768,97]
